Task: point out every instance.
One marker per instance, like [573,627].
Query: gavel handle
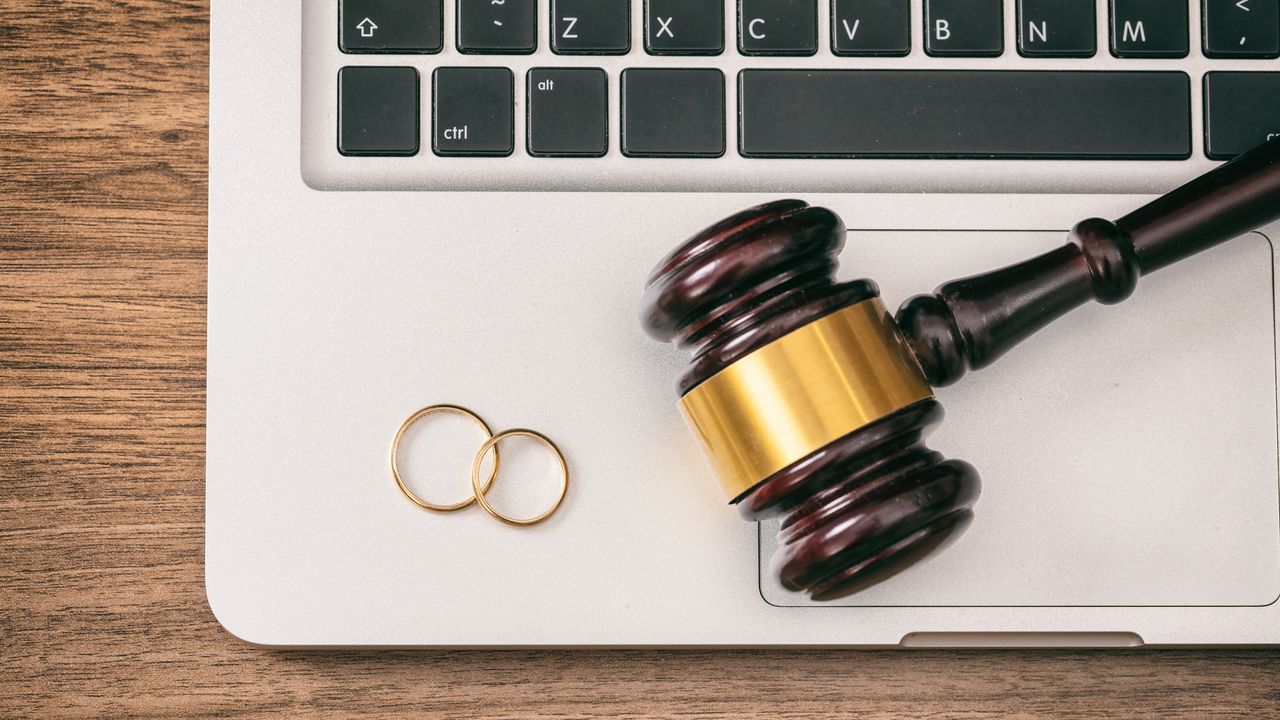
[970,322]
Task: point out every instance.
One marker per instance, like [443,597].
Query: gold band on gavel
[800,392]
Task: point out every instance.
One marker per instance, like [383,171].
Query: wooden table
[103,113]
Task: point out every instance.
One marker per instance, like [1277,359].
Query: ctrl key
[473,112]
[378,111]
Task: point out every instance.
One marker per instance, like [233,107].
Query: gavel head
[806,399]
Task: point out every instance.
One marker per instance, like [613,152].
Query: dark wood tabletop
[103,120]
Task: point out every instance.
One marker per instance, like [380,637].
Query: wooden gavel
[813,403]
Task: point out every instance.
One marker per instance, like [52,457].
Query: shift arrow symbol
[367,26]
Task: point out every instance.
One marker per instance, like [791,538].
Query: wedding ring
[475,472]
[492,444]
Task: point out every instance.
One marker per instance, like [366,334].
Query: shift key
[473,111]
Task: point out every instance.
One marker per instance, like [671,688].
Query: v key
[870,27]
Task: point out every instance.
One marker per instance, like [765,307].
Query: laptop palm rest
[1128,453]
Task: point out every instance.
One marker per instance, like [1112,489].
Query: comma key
[473,111]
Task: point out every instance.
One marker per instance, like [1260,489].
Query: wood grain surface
[103,114]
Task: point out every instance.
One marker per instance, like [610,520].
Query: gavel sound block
[813,403]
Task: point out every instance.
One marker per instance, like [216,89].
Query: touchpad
[1128,453]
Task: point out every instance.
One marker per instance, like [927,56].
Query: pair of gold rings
[479,488]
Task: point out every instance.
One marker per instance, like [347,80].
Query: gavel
[812,403]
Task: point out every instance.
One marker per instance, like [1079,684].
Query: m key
[1149,28]
[684,27]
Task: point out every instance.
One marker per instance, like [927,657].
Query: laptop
[415,202]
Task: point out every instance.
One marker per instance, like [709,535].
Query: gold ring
[395,457]
[492,444]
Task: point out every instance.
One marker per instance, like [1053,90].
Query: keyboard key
[1241,110]
[672,113]
[1242,28]
[970,28]
[590,27]
[568,111]
[389,26]
[684,27]
[964,114]
[378,111]
[777,27]
[497,26]
[472,112]
[1149,28]
[871,27]
[1057,28]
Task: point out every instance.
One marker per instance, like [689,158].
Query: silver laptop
[458,201]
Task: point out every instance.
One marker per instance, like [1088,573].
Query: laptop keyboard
[425,86]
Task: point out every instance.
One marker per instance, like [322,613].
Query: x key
[684,27]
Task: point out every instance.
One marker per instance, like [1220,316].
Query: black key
[378,111]
[1149,28]
[472,111]
[497,26]
[389,26]
[1057,28]
[672,113]
[568,111]
[590,27]
[1242,28]
[1241,110]
[971,28]
[964,114]
[870,27]
[684,27]
[777,27]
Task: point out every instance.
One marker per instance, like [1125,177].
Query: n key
[1056,28]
